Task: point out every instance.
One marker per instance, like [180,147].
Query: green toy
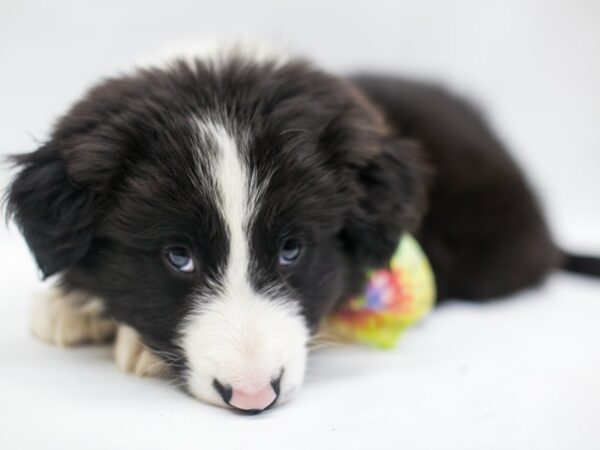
[394,298]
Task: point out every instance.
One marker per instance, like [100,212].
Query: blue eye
[289,253]
[180,259]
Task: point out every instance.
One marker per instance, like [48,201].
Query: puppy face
[221,209]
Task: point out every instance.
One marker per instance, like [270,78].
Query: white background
[520,374]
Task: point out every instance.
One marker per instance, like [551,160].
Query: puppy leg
[70,318]
[132,356]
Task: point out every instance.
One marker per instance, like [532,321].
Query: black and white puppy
[217,207]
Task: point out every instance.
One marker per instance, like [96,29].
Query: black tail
[586,265]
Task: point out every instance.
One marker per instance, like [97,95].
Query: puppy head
[221,208]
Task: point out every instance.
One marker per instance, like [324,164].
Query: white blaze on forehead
[234,189]
[239,336]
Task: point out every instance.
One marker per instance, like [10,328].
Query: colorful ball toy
[394,299]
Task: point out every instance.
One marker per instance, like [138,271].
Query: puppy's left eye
[180,259]
[289,252]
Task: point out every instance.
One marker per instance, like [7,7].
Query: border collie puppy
[209,212]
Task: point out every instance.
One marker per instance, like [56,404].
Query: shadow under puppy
[212,210]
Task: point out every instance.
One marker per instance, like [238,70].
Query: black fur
[56,220]
[585,265]
[353,164]
[484,230]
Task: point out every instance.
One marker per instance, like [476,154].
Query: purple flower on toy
[383,291]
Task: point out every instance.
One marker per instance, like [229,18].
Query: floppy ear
[55,216]
[390,198]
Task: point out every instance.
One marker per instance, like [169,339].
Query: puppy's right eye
[180,259]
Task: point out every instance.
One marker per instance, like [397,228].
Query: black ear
[55,216]
[390,199]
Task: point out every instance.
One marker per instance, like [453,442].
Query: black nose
[252,403]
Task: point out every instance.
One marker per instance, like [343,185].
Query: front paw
[68,319]
[132,356]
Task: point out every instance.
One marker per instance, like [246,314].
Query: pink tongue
[255,400]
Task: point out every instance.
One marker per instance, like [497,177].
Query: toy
[394,298]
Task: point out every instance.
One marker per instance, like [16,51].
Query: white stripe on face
[241,337]
[234,192]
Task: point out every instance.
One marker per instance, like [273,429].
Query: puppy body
[220,208]
[483,229]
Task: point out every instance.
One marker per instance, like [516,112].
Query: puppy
[211,211]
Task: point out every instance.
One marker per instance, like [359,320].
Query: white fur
[70,319]
[241,337]
[132,356]
[74,318]
[216,53]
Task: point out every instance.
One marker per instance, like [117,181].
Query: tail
[585,265]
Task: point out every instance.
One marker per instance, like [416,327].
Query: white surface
[521,374]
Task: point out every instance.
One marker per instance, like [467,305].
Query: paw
[68,319]
[132,356]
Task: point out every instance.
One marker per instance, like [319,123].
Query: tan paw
[70,319]
[132,356]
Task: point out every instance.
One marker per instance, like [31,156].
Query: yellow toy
[394,298]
